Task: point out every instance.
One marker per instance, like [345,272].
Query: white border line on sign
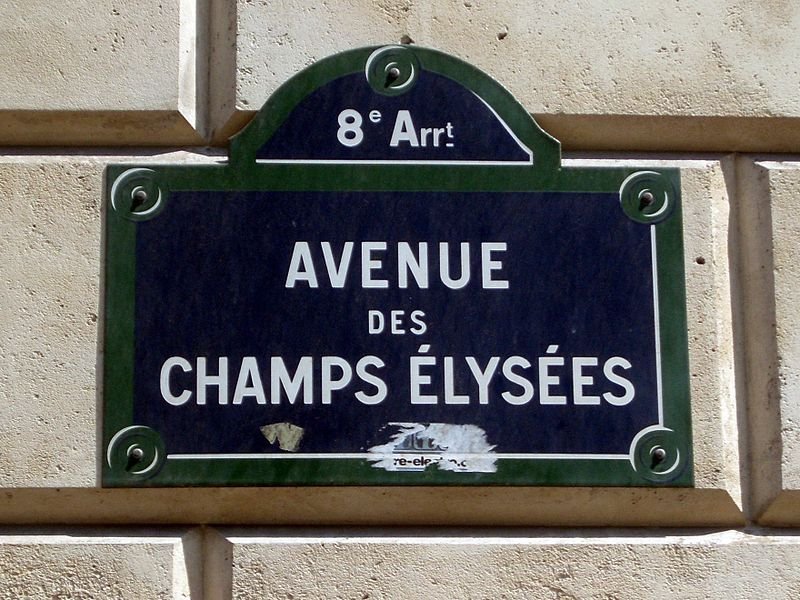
[554,456]
[656,324]
[321,161]
[378,455]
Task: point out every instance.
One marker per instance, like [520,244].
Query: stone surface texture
[704,60]
[784,193]
[163,566]
[769,195]
[697,58]
[78,74]
[569,565]
[50,241]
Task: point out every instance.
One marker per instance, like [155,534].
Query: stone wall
[711,88]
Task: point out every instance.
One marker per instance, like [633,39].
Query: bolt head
[647,198]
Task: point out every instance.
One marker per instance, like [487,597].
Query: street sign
[393,280]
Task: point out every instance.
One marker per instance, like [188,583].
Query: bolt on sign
[393,280]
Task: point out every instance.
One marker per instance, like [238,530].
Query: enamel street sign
[393,280]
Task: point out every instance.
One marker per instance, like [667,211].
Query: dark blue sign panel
[393,281]
[347,314]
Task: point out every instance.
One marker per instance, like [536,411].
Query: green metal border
[241,173]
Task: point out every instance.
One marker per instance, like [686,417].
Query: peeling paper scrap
[287,435]
[448,447]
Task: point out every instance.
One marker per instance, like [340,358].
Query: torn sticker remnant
[287,435]
[449,447]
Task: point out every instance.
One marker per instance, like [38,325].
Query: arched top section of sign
[394,105]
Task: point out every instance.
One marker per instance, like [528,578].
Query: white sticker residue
[288,435]
[417,446]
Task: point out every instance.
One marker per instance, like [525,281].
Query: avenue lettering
[454,265]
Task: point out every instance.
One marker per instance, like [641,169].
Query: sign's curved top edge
[537,147]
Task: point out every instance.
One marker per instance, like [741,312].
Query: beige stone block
[102,73]
[50,241]
[771,283]
[50,236]
[706,189]
[164,565]
[478,564]
[701,75]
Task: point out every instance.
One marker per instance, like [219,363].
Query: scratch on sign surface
[288,435]
[449,447]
